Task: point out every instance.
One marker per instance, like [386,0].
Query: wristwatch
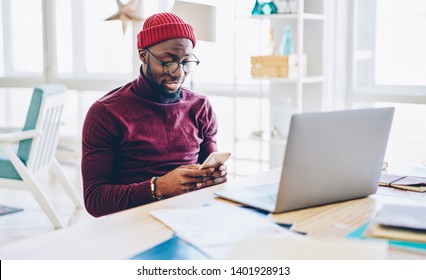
[153,189]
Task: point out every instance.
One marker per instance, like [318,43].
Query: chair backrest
[44,115]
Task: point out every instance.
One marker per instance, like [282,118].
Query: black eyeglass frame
[178,64]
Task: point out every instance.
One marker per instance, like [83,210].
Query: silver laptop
[329,157]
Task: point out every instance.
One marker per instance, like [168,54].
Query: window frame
[79,79]
[372,92]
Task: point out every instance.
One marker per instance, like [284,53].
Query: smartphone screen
[215,159]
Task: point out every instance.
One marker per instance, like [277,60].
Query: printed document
[215,229]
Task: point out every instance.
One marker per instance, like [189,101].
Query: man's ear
[142,55]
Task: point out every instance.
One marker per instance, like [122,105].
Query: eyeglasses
[172,66]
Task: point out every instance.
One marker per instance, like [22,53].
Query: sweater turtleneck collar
[143,87]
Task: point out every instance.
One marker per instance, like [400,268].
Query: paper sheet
[277,248]
[215,229]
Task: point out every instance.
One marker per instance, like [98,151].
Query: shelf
[313,16]
[290,16]
[275,16]
[287,96]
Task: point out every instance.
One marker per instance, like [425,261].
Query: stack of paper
[400,222]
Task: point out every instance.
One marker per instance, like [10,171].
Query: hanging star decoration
[126,12]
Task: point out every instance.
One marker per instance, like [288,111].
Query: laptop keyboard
[272,198]
[270,189]
[267,193]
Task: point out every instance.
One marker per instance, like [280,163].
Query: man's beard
[164,95]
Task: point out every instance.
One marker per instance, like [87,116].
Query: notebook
[330,157]
[400,222]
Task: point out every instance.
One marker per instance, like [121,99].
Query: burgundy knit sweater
[129,137]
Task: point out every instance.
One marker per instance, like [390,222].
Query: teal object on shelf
[257,9]
[269,8]
[286,46]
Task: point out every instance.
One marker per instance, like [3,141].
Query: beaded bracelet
[153,189]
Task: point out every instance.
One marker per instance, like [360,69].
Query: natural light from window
[64,40]
[26,40]
[406,145]
[1,44]
[107,49]
[401,43]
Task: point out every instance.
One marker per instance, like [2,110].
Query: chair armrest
[18,136]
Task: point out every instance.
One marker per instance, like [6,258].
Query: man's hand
[218,176]
[188,178]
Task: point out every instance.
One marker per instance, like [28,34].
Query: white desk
[127,233]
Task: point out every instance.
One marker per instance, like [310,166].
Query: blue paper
[172,249]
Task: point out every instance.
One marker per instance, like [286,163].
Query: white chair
[36,146]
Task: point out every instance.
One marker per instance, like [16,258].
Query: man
[144,141]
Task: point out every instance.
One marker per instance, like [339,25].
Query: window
[389,66]
[389,47]
[400,57]
[87,45]
[406,146]
[64,40]
[1,44]
[107,49]
[21,44]
[80,43]
[83,46]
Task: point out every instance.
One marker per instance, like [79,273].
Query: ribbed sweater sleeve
[102,195]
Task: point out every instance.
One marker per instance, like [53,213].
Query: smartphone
[215,159]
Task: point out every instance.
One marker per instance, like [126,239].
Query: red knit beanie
[164,26]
